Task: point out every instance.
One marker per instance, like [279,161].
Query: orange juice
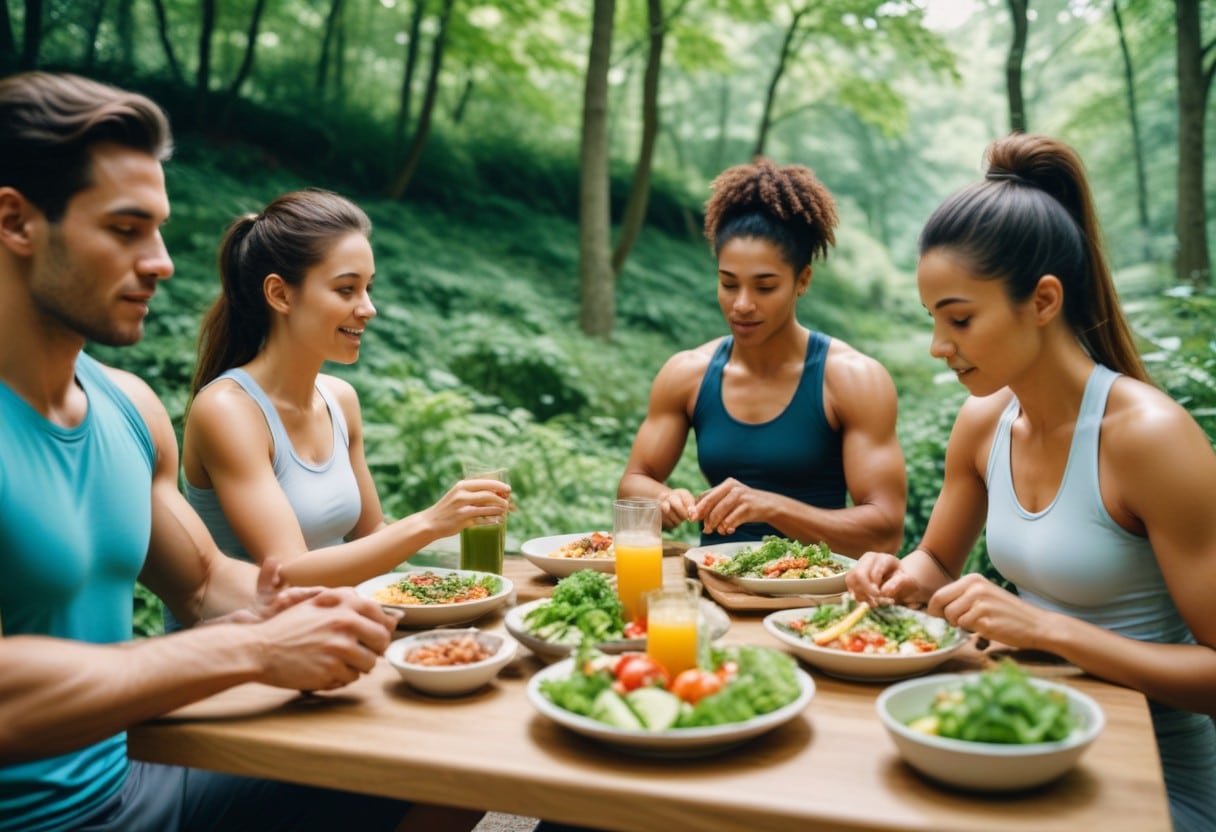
[639,569]
[671,636]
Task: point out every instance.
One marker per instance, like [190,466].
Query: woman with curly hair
[790,423]
[1094,487]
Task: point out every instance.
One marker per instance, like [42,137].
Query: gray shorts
[161,798]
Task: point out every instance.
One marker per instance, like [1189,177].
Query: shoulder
[1144,426]
[220,403]
[687,367]
[343,393]
[848,370]
[149,405]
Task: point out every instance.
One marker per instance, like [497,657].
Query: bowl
[419,616]
[865,667]
[983,766]
[829,585]
[539,551]
[450,680]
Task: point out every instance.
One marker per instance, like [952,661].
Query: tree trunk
[32,41]
[8,46]
[162,31]
[1133,115]
[327,45]
[1192,263]
[407,75]
[90,38]
[462,103]
[639,189]
[124,24]
[597,302]
[251,42]
[423,129]
[1013,65]
[770,97]
[202,80]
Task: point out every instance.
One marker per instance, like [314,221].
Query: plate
[830,585]
[863,667]
[538,550]
[419,616]
[676,742]
[712,616]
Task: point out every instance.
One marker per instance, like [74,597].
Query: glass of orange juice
[637,540]
[671,625]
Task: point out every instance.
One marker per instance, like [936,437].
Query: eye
[960,323]
[124,230]
[346,291]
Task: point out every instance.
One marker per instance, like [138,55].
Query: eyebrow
[947,302]
[137,213]
[355,275]
[754,277]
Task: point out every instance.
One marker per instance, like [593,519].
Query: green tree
[597,309]
[1196,66]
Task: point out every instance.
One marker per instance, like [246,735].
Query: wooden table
[834,766]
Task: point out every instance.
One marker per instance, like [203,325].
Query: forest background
[536,171]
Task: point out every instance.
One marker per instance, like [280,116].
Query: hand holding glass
[482,544]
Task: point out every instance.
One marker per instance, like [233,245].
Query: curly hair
[787,206]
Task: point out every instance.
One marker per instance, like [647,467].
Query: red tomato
[635,628]
[727,671]
[694,685]
[639,670]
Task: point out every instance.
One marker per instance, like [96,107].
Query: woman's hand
[676,505]
[466,501]
[881,578]
[976,604]
[728,505]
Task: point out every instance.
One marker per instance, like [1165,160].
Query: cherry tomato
[635,628]
[694,685]
[727,671]
[642,671]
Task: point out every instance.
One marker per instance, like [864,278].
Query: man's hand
[730,504]
[273,596]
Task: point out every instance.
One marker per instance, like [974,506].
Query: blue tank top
[324,497]
[1071,557]
[75,520]
[797,454]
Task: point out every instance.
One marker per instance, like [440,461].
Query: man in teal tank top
[89,503]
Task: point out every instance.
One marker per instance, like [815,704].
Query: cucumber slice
[611,709]
[657,708]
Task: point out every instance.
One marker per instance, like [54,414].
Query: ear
[277,292]
[16,222]
[803,280]
[1048,299]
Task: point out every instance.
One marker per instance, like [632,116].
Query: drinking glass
[637,528]
[671,625]
[482,544]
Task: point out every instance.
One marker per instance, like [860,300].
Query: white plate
[539,551]
[436,615]
[830,585]
[863,667]
[712,616]
[676,742]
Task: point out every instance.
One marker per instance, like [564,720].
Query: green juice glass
[482,545]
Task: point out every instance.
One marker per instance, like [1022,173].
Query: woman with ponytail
[273,449]
[1094,487]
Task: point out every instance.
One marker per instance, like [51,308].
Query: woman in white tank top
[1095,487]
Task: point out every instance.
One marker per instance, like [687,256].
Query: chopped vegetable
[778,558]
[1000,706]
[584,605]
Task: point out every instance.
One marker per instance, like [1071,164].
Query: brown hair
[787,206]
[1032,215]
[49,124]
[290,236]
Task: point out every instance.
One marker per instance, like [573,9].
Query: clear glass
[637,539]
[482,545]
[672,615]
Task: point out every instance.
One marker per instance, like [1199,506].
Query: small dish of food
[852,641]
[996,731]
[563,554]
[776,566]
[434,597]
[450,662]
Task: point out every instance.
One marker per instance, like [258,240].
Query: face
[757,290]
[985,338]
[333,305]
[95,271]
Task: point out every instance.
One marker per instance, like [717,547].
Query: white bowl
[983,766]
[863,667]
[418,616]
[450,680]
[829,585]
[539,551]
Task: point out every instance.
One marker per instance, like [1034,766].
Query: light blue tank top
[324,497]
[1073,558]
[75,520]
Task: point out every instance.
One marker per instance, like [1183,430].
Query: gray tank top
[324,497]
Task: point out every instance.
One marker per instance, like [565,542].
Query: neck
[288,375]
[38,354]
[1050,392]
[790,344]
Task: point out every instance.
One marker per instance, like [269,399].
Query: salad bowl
[983,766]
[829,585]
[866,667]
[421,616]
[539,551]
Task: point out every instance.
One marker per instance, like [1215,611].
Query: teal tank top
[796,454]
[75,520]
[1071,557]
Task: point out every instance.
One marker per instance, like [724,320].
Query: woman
[273,449]
[1096,488]
[787,421]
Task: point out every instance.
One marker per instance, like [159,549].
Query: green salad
[779,557]
[427,588]
[1001,706]
[584,606]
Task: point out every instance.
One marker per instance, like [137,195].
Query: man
[89,502]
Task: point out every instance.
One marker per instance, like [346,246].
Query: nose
[156,262]
[744,302]
[366,309]
[940,346]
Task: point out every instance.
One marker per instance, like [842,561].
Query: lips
[353,333]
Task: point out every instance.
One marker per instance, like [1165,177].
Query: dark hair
[1033,215]
[787,206]
[49,124]
[291,235]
